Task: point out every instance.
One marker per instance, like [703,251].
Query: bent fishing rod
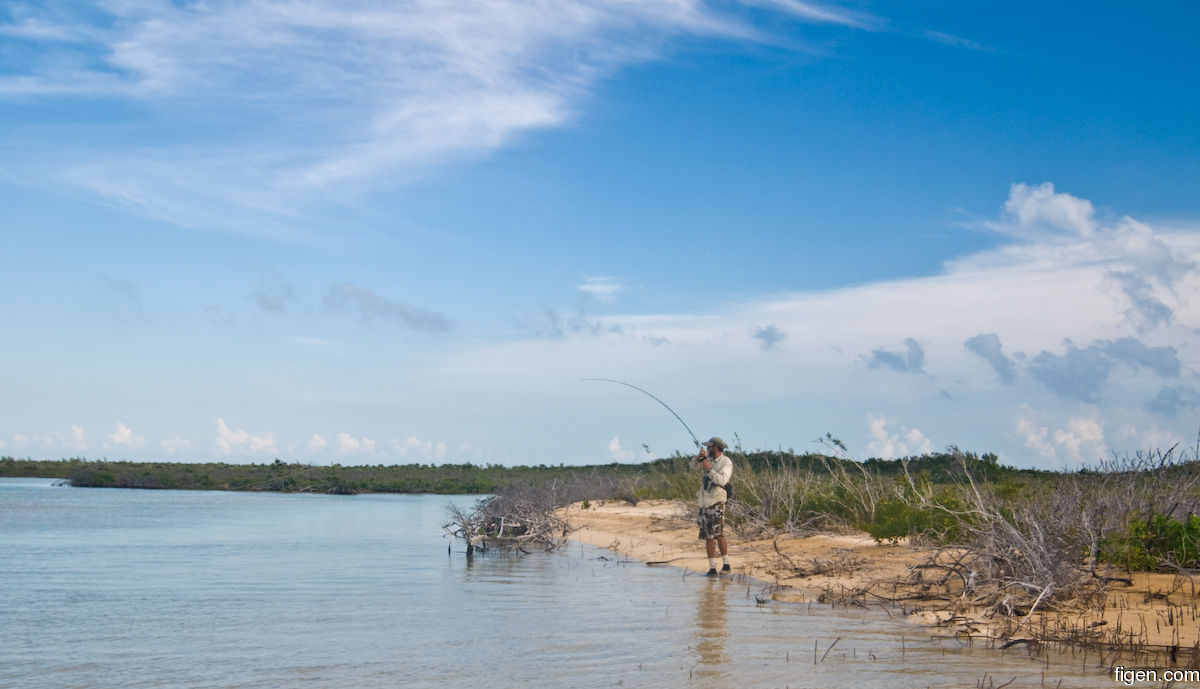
[664,404]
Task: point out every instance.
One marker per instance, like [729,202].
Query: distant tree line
[280,476]
[1137,513]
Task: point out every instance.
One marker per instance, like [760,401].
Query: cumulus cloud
[1173,399]
[1078,374]
[424,450]
[74,440]
[1146,310]
[1141,266]
[1034,211]
[348,444]
[987,346]
[125,437]
[1131,351]
[617,453]
[1080,440]
[369,306]
[229,441]
[769,336]
[1081,373]
[904,442]
[316,444]
[1034,435]
[912,360]
[176,445]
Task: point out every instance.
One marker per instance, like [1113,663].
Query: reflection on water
[118,588]
[711,633]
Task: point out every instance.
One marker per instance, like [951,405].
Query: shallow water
[105,588]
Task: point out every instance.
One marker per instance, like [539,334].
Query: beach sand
[1158,613]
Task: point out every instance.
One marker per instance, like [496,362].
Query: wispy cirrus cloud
[370,306]
[603,288]
[244,109]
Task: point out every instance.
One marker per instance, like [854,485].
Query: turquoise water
[104,588]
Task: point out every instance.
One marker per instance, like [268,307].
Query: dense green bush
[940,520]
[1157,543]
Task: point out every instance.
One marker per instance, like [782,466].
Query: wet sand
[1157,613]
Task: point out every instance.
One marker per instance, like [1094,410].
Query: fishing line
[664,404]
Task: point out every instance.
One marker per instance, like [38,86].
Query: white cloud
[324,95]
[229,441]
[348,444]
[124,437]
[1033,295]
[1036,210]
[316,444]
[176,445]
[822,13]
[1080,440]
[1034,435]
[1056,230]
[422,450]
[74,440]
[1153,438]
[603,289]
[905,442]
[618,454]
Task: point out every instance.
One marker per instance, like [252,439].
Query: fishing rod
[664,404]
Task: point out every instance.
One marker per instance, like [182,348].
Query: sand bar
[1157,612]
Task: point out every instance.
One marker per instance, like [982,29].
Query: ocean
[106,588]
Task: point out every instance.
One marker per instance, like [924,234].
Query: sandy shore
[1156,613]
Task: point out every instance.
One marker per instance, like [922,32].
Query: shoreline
[1157,616]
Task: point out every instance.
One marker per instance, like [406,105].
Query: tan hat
[716,441]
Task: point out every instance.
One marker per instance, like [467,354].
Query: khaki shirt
[719,475]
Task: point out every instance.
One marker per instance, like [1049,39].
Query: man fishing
[718,470]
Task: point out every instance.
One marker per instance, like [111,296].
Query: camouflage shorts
[712,521]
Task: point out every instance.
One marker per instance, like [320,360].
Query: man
[718,469]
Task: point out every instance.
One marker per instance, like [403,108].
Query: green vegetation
[286,477]
[1156,543]
[1036,527]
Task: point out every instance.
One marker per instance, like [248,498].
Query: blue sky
[404,232]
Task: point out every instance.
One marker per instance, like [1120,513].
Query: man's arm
[722,471]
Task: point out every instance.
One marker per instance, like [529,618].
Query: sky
[410,232]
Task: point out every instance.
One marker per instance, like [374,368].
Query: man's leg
[724,547]
[710,546]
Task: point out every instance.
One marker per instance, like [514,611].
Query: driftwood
[500,523]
